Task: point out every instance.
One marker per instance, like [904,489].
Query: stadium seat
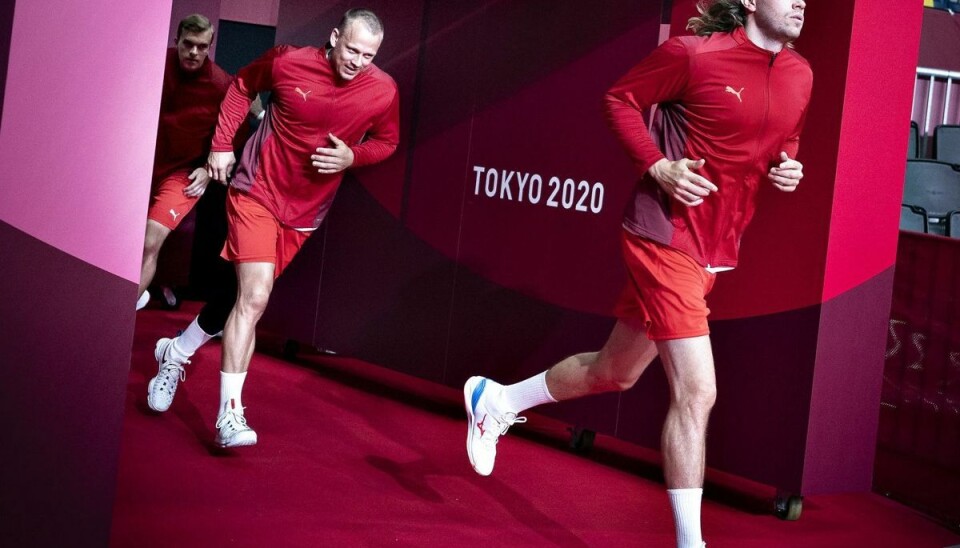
[934,187]
[947,143]
[953,224]
[914,219]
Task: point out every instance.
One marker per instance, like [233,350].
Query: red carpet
[355,455]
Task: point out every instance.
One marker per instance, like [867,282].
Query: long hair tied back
[717,16]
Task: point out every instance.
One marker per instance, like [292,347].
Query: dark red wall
[420,269]
[940,45]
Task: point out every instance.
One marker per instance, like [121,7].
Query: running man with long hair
[732,101]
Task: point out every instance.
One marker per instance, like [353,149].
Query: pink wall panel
[79,126]
[77,138]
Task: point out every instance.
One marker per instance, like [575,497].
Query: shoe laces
[170,367]
[168,359]
[233,420]
[500,426]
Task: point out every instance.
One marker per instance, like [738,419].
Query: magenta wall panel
[860,255]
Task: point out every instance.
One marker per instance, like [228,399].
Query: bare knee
[608,377]
[154,238]
[151,245]
[697,399]
[253,300]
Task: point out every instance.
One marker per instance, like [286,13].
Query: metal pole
[946,101]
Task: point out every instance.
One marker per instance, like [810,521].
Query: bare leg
[239,335]
[152,242]
[688,364]
[617,366]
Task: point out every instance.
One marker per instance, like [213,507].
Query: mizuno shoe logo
[477,392]
[480,426]
[174,214]
[303,93]
[735,92]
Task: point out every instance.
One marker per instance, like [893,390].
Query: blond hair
[370,19]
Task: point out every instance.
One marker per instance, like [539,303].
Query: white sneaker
[232,430]
[484,429]
[143,300]
[162,388]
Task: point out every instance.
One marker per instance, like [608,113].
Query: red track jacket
[188,114]
[307,102]
[721,98]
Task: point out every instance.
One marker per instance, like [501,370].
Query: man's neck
[761,39]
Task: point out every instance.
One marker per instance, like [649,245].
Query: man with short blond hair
[331,109]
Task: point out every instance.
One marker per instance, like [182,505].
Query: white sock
[523,395]
[686,516]
[143,300]
[191,339]
[231,384]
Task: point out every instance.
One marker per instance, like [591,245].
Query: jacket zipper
[756,156]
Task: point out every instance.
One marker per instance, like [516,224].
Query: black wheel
[290,350]
[581,439]
[788,506]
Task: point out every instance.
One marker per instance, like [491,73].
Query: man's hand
[219,165]
[333,160]
[677,179]
[198,183]
[787,175]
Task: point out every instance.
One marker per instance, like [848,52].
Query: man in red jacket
[330,109]
[193,87]
[732,100]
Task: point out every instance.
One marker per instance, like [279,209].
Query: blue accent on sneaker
[477,392]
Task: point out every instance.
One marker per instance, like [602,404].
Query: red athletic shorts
[255,236]
[666,291]
[168,205]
